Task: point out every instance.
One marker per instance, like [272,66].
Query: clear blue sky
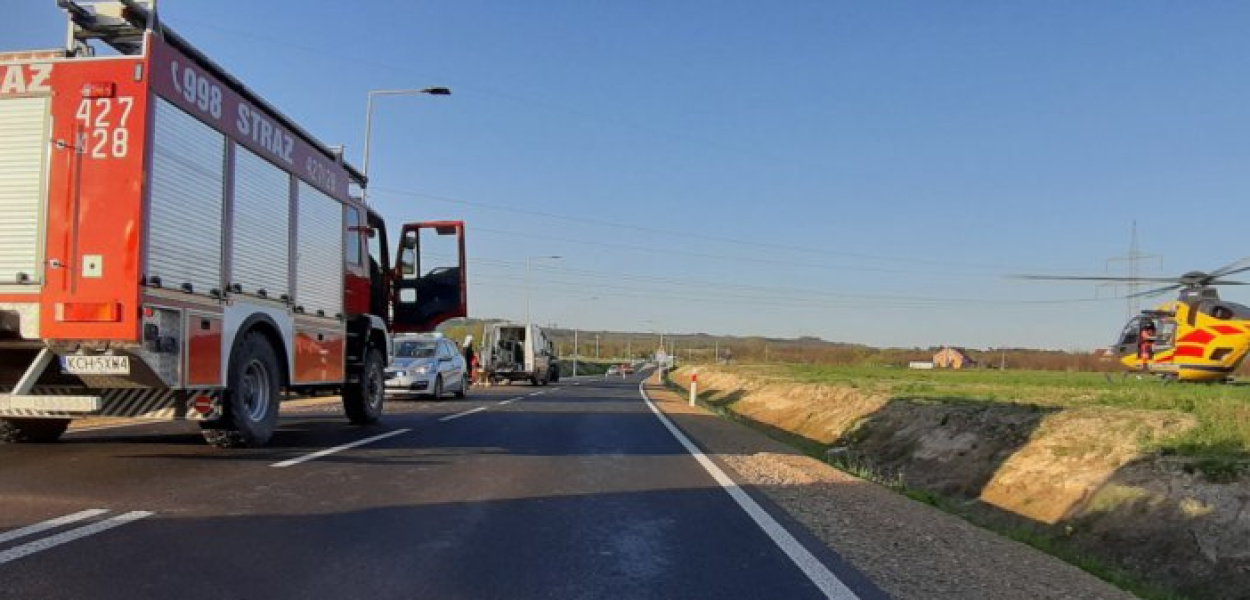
[860,171]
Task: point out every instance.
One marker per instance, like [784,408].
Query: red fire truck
[173,247]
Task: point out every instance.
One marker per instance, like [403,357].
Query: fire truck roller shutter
[187,184]
[23,154]
[319,258]
[261,226]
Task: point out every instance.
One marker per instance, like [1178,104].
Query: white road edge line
[816,571]
[50,524]
[65,537]
[328,451]
[462,414]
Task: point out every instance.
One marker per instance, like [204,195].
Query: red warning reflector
[88,312]
[202,403]
[99,89]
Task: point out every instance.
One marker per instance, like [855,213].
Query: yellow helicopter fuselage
[1201,341]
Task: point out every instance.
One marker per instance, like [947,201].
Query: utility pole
[596,346]
[716,356]
[575,352]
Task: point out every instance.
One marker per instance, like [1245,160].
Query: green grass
[1222,411]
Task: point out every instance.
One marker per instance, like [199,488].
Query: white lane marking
[328,451]
[462,414]
[816,571]
[65,537]
[50,524]
[511,400]
[537,393]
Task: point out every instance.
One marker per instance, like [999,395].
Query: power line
[685,235]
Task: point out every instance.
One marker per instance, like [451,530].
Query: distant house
[953,358]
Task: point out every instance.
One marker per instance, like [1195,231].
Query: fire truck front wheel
[363,400]
[251,407]
[31,430]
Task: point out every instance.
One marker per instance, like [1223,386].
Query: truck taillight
[88,312]
[99,89]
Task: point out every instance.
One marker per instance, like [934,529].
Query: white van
[509,354]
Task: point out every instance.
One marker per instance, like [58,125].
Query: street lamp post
[576,348]
[364,166]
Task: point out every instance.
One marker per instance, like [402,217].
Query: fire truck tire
[38,431]
[363,400]
[252,397]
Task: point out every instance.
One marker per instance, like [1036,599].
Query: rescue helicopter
[1197,337]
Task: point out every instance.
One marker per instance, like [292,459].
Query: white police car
[427,363]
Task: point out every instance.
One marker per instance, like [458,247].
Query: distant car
[427,364]
[627,369]
[613,370]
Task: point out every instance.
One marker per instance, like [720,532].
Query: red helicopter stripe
[1197,336]
[1189,351]
[1227,329]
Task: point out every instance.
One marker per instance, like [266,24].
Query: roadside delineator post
[694,386]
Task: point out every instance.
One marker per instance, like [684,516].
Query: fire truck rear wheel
[251,400]
[38,431]
[363,400]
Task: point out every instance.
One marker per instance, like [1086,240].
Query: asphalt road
[574,490]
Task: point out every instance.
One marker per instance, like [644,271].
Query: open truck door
[430,280]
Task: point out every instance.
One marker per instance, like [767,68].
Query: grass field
[1222,410]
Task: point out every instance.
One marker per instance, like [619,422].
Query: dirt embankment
[1083,477]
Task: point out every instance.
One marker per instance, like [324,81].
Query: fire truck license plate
[96,365]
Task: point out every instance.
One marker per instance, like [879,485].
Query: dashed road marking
[816,571]
[42,526]
[65,537]
[462,414]
[511,400]
[328,451]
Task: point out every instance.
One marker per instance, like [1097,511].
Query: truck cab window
[379,265]
[353,242]
[408,260]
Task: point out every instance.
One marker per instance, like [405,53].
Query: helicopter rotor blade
[1096,278]
[1155,291]
[1234,267]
